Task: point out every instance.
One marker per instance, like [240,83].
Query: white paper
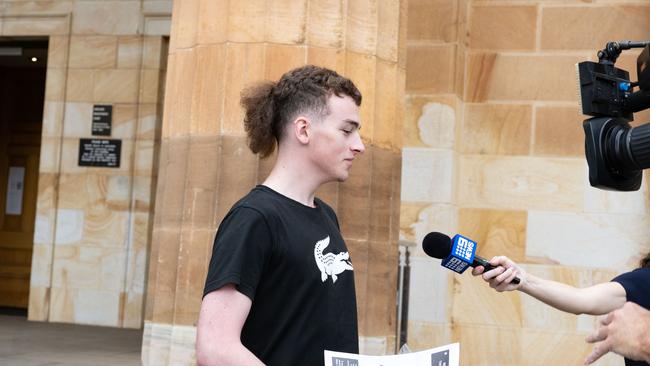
[448,355]
[15,188]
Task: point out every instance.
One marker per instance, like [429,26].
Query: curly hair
[645,262]
[269,106]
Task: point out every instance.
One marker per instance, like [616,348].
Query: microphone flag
[462,254]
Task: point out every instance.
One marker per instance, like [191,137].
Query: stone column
[217,48]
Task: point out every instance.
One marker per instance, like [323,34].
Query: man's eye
[347,132]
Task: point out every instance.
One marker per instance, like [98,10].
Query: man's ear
[302,129]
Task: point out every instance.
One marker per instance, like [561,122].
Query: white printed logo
[330,264]
[465,248]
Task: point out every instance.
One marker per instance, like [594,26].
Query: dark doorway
[23,62]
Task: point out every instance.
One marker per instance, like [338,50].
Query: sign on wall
[100,152]
[102,120]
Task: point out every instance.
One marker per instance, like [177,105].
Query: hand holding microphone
[459,253]
[503,274]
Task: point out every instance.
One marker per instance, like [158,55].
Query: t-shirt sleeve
[637,286]
[241,248]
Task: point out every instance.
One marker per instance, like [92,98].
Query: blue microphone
[457,254]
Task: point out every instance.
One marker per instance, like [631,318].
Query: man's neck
[291,179]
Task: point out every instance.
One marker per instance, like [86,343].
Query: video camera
[616,152]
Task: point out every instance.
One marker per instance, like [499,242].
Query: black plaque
[102,119]
[100,152]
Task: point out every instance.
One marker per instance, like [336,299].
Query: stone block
[179,92]
[432,20]
[430,122]
[586,239]
[325,25]
[362,70]
[35,26]
[424,335]
[106,17]
[171,182]
[129,52]
[382,280]
[500,27]
[131,310]
[207,109]
[568,27]
[152,48]
[79,87]
[97,307]
[286,21]
[104,227]
[382,198]
[419,219]
[69,227]
[497,309]
[355,198]
[390,23]
[39,303]
[93,52]
[157,6]
[431,291]
[237,173]
[117,86]
[50,152]
[502,129]
[192,270]
[491,344]
[388,105]
[427,175]
[361,27]
[55,85]
[430,68]
[281,58]
[57,52]
[149,86]
[61,307]
[331,58]
[559,132]
[247,21]
[77,119]
[52,119]
[510,77]
[496,232]
[212,25]
[124,120]
[245,66]
[521,183]
[613,202]
[41,272]
[50,7]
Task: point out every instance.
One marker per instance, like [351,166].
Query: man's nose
[358,144]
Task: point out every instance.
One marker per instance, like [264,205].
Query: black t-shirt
[637,290]
[291,261]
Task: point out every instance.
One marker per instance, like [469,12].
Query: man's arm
[623,331]
[595,300]
[218,340]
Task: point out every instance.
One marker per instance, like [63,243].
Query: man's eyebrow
[356,124]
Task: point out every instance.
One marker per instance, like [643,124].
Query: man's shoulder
[259,199]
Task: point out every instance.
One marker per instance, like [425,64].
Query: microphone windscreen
[437,245]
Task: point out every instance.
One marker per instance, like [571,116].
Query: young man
[280,286]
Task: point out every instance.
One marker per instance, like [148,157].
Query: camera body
[616,152]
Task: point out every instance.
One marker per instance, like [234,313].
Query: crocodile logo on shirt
[330,264]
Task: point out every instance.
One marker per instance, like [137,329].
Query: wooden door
[21,113]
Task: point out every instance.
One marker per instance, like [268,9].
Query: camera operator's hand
[623,331]
[500,278]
